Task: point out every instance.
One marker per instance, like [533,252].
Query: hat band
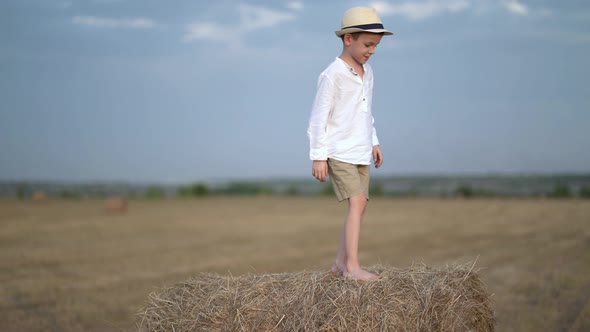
[366,26]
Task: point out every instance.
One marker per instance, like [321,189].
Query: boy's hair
[355,35]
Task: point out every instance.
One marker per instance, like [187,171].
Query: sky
[186,90]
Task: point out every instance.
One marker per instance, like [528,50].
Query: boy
[341,133]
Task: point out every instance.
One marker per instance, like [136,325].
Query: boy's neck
[358,68]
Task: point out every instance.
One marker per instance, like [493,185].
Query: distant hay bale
[413,299]
[39,196]
[116,204]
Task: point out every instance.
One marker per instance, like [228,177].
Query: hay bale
[116,204]
[39,196]
[413,299]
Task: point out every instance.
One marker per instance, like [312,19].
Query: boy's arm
[377,156]
[319,170]
[316,132]
[377,153]
[374,134]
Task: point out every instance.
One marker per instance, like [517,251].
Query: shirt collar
[352,71]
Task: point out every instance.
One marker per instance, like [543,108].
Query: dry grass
[72,266]
[414,299]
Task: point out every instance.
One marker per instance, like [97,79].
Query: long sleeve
[322,106]
[374,136]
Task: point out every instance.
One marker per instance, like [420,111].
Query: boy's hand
[377,156]
[320,170]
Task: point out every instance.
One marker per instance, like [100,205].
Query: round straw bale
[418,298]
[39,196]
[116,204]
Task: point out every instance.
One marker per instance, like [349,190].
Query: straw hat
[361,19]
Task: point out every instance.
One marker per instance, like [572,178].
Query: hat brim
[342,32]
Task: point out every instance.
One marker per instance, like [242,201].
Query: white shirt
[341,122]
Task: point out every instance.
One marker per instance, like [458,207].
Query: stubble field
[71,266]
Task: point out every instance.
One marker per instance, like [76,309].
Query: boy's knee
[359,201]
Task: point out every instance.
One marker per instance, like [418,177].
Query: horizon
[378,177]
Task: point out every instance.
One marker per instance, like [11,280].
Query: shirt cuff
[375,140]
[318,154]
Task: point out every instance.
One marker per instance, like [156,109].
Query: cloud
[210,31]
[425,9]
[420,10]
[254,17]
[251,18]
[295,5]
[101,22]
[515,7]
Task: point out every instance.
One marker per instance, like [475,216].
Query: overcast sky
[187,90]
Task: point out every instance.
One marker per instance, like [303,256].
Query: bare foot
[360,274]
[337,269]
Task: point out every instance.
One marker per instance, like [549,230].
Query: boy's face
[363,47]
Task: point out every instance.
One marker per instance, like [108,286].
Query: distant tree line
[560,190]
[242,188]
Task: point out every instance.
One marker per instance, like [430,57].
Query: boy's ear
[347,39]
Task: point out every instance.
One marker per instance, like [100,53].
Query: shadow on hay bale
[413,299]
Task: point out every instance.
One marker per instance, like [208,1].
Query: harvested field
[72,266]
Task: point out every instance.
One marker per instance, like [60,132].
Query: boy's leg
[340,264]
[345,259]
[350,179]
[352,230]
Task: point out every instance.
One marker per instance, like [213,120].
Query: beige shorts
[348,180]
